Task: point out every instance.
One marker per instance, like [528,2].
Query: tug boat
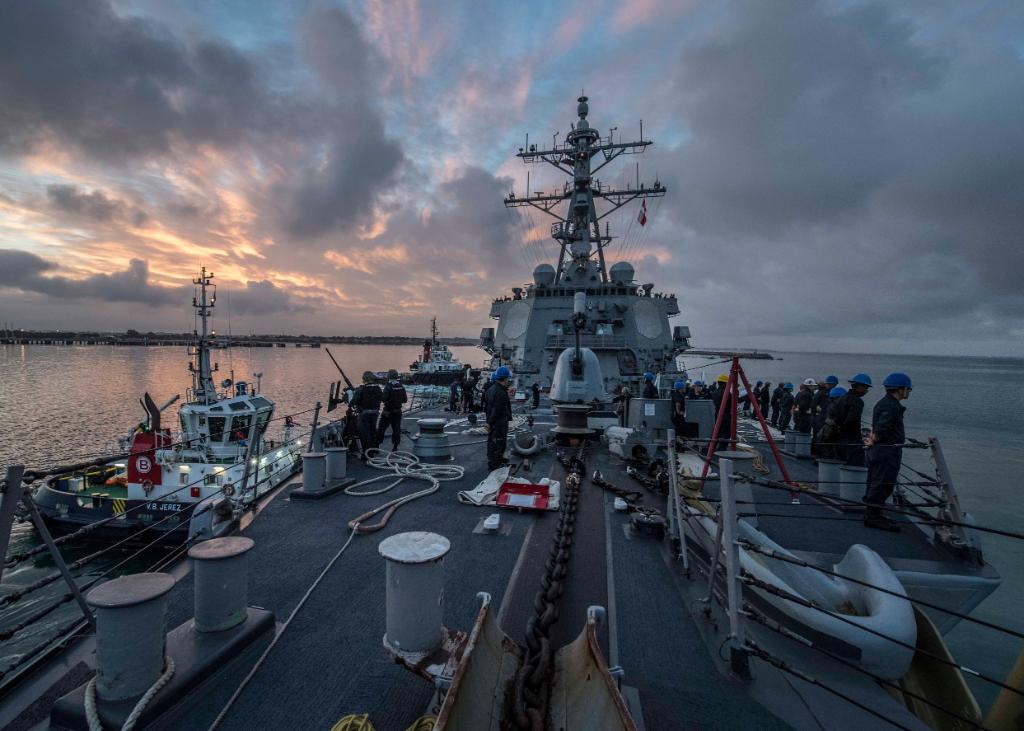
[437,366]
[186,484]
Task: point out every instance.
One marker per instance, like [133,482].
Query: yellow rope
[354,722]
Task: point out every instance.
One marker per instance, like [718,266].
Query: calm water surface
[58,404]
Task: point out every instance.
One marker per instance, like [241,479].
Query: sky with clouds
[841,175]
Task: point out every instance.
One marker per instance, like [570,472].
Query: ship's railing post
[314,445]
[951,498]
[10,496]
[675,509]
[734,586]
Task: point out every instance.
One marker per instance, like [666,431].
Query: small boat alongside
[182,484]
[437,366]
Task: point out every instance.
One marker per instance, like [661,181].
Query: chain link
[533,681]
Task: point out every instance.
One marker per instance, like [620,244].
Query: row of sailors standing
[832,414]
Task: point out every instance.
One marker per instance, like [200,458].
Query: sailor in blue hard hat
[845,437]
[498,413]
[885,450]
[650,390]
[775,404]
[786,406]
[825,444]
[820,406]
[679,408]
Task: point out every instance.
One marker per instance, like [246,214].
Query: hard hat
[787,386]
[836,392]
[722,378]
[758,383]
[393,374]
[862,378]
[810,382]
[648,376]
[502,372]
[831,380]
[679,384]
[368,376]
[698,383]
[897,380]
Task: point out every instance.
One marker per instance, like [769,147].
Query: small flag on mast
[642,216]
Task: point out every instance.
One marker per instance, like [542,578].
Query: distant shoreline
[133,337]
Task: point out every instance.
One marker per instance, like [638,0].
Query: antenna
[578,231]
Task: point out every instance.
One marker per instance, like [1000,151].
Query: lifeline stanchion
[734,585]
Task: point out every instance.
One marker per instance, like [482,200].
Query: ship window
[216,408]
[217,428]
[210,479]
[259,402]
[240,428]
[238,406]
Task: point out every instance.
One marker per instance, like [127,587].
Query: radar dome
[544,275]
[621,272]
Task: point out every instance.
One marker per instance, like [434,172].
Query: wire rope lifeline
[761,619]
[93,716]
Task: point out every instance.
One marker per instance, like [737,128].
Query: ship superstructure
[627,323]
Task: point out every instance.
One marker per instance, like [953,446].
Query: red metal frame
[730,401]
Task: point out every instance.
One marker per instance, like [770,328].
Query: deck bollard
[432,444]
[853,482]
[828,476]
[337,464]
[415,590]
[787,444]
[131,617]
[314,471]
[221,568]
[801,444]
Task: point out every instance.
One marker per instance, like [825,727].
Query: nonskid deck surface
[331,662]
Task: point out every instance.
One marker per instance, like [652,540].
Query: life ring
[228,490]
[147,486]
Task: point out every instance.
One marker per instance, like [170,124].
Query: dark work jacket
[802,401]
[394,396]
[846,413]
[497,404]
[887,421]
[820,405]
[786,401]
[678,403]
[777,397]
[650,390]
[368,397]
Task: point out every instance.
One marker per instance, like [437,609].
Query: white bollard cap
[414,547]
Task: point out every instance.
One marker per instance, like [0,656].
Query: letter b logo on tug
[142,464]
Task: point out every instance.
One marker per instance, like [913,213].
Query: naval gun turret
[577,378]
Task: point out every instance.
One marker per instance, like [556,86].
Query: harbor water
[62,404]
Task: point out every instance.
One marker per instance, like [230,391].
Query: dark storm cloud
[118,89]
[263,298]
[857,173]
[96,205]
[26,272]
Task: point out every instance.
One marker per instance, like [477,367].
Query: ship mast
[433,330]
[578,231]
[202,373]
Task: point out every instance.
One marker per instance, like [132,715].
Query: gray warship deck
[330,662]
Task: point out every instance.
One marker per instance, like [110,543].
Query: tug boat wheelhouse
[188,484]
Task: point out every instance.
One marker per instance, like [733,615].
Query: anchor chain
[532,682]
